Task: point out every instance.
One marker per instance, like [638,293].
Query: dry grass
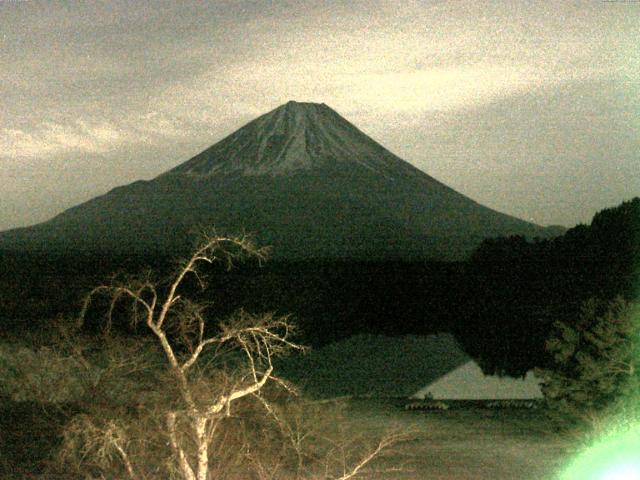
[450,445]
[464,444]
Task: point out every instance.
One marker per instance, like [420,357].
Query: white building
[467,382]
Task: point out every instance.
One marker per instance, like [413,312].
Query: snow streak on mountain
[293,137]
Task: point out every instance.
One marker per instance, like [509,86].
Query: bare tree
[259,338]
[195,421]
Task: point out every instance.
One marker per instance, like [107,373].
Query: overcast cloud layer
[531,108]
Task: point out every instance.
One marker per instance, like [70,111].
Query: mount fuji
[304,180]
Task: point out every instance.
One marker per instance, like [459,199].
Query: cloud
[147,74]
[204,104]
[358,90]
[88,136]
[439,88]
[51,138]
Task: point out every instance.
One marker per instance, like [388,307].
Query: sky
[529,107]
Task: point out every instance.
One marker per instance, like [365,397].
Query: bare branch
[183,462]
[115,292]
[204,253]
[125,459]
[225,400]
[384,443]
[87,302]
[196,353]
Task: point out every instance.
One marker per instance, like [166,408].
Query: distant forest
[521,287]
[500,303]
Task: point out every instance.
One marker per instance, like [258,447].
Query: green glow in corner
[616,457]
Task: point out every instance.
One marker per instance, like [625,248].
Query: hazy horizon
[529,109]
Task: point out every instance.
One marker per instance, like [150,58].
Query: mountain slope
[292,138]
[301,177]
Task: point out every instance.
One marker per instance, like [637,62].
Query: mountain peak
[296,104]
[296,136]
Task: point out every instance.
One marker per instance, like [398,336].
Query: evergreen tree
[595,362]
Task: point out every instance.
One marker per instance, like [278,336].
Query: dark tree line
[521,287]
[501,303]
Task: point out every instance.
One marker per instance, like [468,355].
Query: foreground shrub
[40,375]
